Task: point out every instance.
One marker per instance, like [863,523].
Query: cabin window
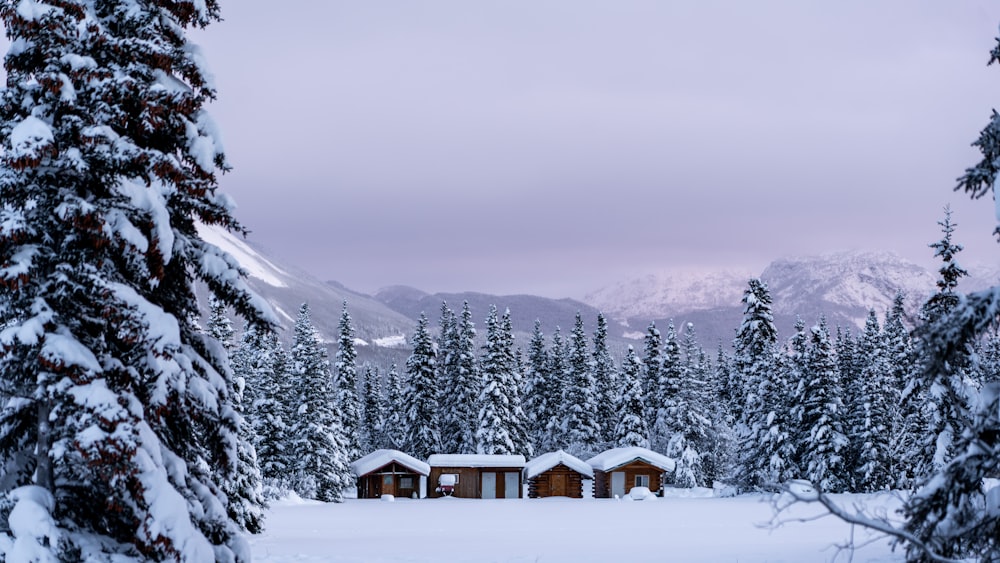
[642,481]
[387,480]
[406,482]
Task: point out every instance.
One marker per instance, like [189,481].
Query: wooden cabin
[617,470]
[557,474]
[476,475]
[390,472]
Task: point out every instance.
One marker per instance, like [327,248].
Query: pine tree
[345,377]
[555,432]
[108,162]
[667,395]
[448,379]
[651,362]
[537,383]
[605,381]
[582,430]
[514,382]
[819,412]
[420,404]
[467,385]
[872,415]
[318,441]
[631,429]
[245,491]
[495,433]
[908,420]
[261,361]
[373,415]
[394,430]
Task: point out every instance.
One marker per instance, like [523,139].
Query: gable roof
[617,457]
[475,460]
[544,462]
[381,458]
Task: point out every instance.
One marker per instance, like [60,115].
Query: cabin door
[489,484]
[618,484]
[557,484]
[511,484]
[388,485]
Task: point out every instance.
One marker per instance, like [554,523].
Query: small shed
[557,474]
[617,470]
[391,472]
[477,475]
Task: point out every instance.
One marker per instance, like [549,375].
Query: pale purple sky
[553,147]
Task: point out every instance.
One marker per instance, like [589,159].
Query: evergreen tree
[345,377]
[908,422]
[394,430]
[320,447]
[872,423]
[766,451]
[460,382]
[555,432]
[631,429]
[537,383]
[104,173]
[668,422]
[819,412]
[605,381]
[261,361]
[651,362]
[580,423]
[420,404]
[495,434]
[694,434]
[514,382]
[373,417]
[245,491]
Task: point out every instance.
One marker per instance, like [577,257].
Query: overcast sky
[553,147]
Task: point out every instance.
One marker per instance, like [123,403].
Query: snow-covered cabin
[617,470]
[391,472]
[477,475]
[557,474]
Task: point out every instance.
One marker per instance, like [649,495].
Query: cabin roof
[544,462]
[475,460]
[381,458]
[617,457]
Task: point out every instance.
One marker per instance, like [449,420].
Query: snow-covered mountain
[841,286]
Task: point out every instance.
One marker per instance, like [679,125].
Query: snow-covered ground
[685,528]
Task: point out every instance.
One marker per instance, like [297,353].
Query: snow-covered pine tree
[555,432]
[536,388]
[583,433]
[117,413]
[467,385]
[245,491]
[605,381]
[946,398]
[495,434]
[420,399]
[320,447]
[631,429]
[261,361]
[519,420]
[667,422]
[373,417]
[394,430]
[693,411]
[908,420]
[872,414]
[819,411]
[651,363]
[448,379]
[345,380]
[765,450]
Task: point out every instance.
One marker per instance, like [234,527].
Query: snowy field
[682,528]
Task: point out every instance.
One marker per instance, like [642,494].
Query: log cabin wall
[558,481]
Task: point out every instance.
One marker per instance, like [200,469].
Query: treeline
[843,411]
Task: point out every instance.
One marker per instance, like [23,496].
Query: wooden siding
[470,480]
[602,479]
[560,481]
[388,480]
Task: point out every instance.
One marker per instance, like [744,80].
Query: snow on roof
[618,457]
[475,460]
[544,462]
[381,458]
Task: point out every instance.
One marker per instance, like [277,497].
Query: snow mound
[395,341]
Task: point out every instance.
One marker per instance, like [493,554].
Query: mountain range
[842,287]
